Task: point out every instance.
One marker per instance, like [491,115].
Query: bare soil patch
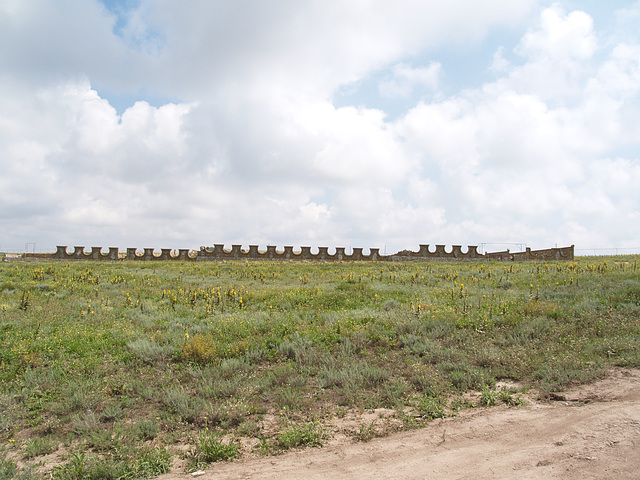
[589,432]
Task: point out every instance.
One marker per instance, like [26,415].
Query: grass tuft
[310,434]
[210,448]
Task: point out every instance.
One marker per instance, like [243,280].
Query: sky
[355,123]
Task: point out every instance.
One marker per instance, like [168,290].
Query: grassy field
[117,370]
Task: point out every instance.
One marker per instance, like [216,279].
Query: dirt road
[593,432]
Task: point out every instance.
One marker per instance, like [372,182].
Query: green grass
[307,435]
[209,448]
[96,357]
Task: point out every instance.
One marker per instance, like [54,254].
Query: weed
[488,397]
[511,398]
[458,403]
[25,301]
[82,394]
[8,468]
[310,434]
[150,462]
[430,407]
[111,412]
[390,305]
[465,377]
[84,422]
[249,428]
[40,379]
[289,398]
[554,376]
[409,421]
[280,375]
[392,394]
[210,448]
[123,464]
[102,440]
[147,429]
[36,447]
[298,348]
[263,447]
[365,432]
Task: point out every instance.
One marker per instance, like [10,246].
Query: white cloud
[560,36]
[558,56]
[51,41]
[500,64]
[514,151]
[405,79]
[256,151]
[308,47]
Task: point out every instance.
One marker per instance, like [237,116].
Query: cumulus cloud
[519,148]
[254,149]
[309,48]
[560,36]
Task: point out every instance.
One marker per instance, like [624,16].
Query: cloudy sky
[356,123]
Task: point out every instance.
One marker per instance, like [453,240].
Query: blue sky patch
[123,100]
[145,40]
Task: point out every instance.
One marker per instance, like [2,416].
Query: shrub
[255,355]
[149,351]
[230,367]
[298,348]
[373,375]
[181,403]
[219,387]
[200,348]
[337,377]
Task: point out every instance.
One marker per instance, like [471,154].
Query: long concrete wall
[565,253]
[219,252]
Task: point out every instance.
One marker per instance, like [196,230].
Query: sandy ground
[591,432]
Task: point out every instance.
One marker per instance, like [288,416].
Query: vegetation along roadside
[127,370]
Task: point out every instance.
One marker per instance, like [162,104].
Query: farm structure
[237,252]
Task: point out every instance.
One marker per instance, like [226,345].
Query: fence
[607,251]
[236,252]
